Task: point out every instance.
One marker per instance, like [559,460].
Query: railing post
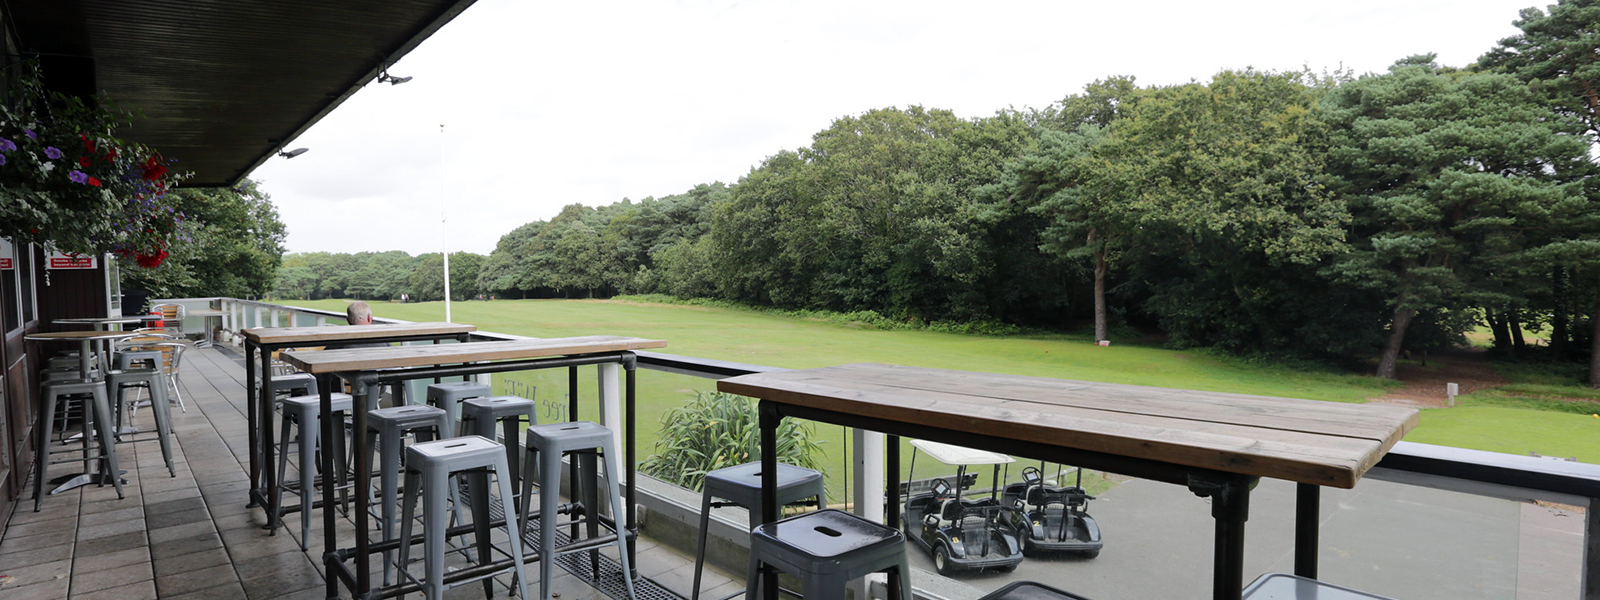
[322,321]
[869,489]
[611,400]
[260,321]
[274,317]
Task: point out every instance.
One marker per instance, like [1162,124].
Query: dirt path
[1425,386]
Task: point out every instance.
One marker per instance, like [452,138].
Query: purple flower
[52,152]
[2,159]
[77,177]
[7,145]
[31,134]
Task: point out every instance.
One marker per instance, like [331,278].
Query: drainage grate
[579,565]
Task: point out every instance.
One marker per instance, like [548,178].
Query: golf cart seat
[1044,495]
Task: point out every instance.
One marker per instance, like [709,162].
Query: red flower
[83,161]
[151,261]
[94,182]
[88,144]
[153,169]
[111,155]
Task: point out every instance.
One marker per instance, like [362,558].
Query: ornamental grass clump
[717,430]
[67,182]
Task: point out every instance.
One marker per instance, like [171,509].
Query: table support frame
[1230,492]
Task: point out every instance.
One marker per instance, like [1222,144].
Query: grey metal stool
[479,415]
[306,413]
[740,485]
[118,382]
[828,548]
[54,374]
[1282,586]
[63,362]
[294,384]
[429,467]
[1028,590]
[448,396]
[127,358]
[387,428]
[547,443]
[98,416]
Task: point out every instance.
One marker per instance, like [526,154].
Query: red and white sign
[8,255]
[63,260]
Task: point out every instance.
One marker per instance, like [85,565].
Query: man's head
[358,313]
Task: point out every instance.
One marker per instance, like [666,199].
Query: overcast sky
[546,104]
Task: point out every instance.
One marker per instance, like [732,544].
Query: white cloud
[548,104]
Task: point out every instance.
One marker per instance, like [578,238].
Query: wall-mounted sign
[64,260]
[8,255]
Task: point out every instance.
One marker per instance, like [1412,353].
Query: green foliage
[860,319]
[717,430]
[230,245]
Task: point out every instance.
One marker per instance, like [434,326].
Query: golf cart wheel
[1007,568]
[1028,547]
[1090,553]
[941,561]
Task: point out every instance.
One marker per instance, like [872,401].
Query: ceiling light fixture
[292,153]
[385,77]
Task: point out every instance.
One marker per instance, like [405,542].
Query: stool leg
[590,498]
[410,511]
[509,425]
[613,475]
[700,547]
[274,519]
[108,440]
[527,494]
[433,530]
[751,587]
[902,577]
[163,416]
[310,432]
[549,467]
[478,488]
[388,464]
[47,420]
[520,571]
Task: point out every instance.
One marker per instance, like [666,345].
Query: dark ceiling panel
[218,79]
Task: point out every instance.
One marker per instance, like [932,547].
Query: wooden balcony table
[261,342]
[1215,444]
[373,367]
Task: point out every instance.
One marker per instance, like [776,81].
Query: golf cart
[1050,518]
[961,534]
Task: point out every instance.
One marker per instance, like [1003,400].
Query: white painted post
[260,322]
[1452,389]
[322,321]
[869,491]
[274,317]
[611,401]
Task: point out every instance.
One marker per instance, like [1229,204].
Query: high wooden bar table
[1217,445]
[372,367]
[263,341]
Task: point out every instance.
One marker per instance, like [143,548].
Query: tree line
[1328,216]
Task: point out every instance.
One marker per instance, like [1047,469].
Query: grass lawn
[756,338]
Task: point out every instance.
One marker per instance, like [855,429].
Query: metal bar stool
[97,421]
[429,468]
[448,396]
[479,415]
[306,413]
[387,428]
[294,384]
[118,382]
[828,548]
[1028,590]
[546,445]
[740,485]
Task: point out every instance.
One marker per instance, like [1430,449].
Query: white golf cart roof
[957,455]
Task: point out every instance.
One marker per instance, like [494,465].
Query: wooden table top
[363,359]
[293,335]
[56,336]
[1307,441]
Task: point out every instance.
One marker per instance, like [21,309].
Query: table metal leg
[265,399]
[1307,514]
[363,486]
[629,366]
[332,425]
[770,419]
[1230,507]
[254,419]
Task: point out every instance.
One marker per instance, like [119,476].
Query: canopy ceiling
[223,83]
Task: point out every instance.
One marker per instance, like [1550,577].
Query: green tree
[1442,170]
[230,245]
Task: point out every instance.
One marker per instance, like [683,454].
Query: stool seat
[466,450]
[126,358]
[828,548]
[403,417]
[304,383]
[341,402]
[497,407]
[577,434]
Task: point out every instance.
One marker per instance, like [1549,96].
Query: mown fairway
[762,339]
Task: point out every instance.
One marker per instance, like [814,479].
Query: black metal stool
[740,485]
[828,548]
[1028,590]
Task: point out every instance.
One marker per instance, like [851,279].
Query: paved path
[1386,538]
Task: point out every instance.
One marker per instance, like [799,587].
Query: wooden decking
[191,536]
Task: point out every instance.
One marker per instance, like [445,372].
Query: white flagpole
[444,227]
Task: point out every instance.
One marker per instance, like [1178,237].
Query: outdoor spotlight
[385,77]
[292,153]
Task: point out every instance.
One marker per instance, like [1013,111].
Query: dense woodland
[1324,216]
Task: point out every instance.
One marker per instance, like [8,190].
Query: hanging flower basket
[68,182]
